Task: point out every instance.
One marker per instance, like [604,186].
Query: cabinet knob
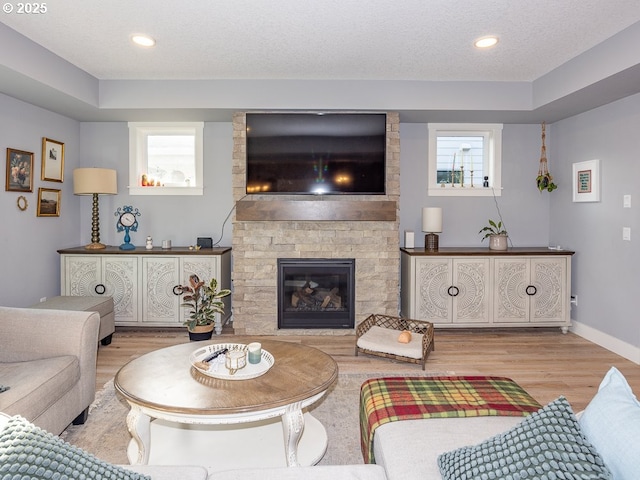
[177,290]
[531,290]
[100,289]
[453,291]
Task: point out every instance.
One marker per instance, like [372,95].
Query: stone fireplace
[268,228]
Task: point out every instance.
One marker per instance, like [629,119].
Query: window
[165,158]
[464,158]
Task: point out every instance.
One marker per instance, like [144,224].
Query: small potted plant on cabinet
[497,234]
[204,302]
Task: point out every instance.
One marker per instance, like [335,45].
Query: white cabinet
[449,290]
[473,287]
[144,283]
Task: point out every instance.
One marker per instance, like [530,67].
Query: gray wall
[605,268]
[181,219]
[524,209]
[28,260]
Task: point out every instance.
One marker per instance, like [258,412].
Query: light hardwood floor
[544,361]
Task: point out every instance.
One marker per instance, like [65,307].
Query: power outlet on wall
[574,300]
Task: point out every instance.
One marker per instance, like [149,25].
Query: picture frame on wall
[52,160]
[586,181]
[49,202]
[19,171]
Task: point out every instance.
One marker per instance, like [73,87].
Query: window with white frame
[464,159]
[165,158]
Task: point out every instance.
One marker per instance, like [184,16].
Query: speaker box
[409,239]
[205,242]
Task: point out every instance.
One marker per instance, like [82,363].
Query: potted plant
[497,234]
[204,302]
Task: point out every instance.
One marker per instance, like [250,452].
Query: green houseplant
[497,234]
[203,300]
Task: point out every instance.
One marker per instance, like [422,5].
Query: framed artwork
[19,171]
[52,160]
[48,202]
[586,181]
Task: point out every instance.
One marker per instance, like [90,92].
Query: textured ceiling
[324,39]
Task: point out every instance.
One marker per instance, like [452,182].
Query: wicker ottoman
[102,305]
[378,335]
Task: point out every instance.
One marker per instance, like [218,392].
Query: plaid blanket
[383,400]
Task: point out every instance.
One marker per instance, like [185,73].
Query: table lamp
[95,181]
[431,225]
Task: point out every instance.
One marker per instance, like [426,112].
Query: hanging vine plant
[544,180]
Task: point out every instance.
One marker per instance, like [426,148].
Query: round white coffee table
[180,416]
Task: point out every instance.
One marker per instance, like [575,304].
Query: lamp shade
[87,181]
[432,219]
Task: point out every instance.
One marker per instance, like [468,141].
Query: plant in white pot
[204,302]
[497,234]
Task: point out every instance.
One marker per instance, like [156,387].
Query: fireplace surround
[268,228]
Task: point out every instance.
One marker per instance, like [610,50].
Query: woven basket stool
[378,335]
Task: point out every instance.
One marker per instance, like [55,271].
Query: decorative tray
[217,369]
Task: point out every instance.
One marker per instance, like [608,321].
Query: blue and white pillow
[611,422]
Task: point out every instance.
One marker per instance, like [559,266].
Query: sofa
[48,365]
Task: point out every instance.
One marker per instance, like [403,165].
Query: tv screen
[316,153]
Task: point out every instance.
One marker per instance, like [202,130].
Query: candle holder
[462,176]
[471,177]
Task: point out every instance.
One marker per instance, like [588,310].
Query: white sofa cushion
[611,422]
[408,449]
[320,472]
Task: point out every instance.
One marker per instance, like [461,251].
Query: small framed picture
[52,160]
[586,181]
[19,171]
[48,202]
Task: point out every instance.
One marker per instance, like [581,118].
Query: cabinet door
[82,274]
[120,278]
[511,302]
[160,298]
[205,267]
[470,288]
[549,279]
[433,279]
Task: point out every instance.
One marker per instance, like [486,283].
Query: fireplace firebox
[316,293]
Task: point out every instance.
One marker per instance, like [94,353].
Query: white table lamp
[95,181]
[431,225]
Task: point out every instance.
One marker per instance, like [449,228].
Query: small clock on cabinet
[127,221]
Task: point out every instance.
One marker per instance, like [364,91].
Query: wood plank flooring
[544,361]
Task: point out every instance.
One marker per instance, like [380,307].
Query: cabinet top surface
[484,251]
[111,250]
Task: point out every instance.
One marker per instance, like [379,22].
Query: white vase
[498,242]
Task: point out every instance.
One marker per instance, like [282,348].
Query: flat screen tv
[316,153]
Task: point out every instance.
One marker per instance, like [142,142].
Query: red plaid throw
[383,400]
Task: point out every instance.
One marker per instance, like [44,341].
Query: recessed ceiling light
[143,40]
[486,42]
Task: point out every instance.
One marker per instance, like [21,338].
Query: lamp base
[431,242]
[95,246]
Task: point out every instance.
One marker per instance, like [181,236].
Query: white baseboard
[624,349]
